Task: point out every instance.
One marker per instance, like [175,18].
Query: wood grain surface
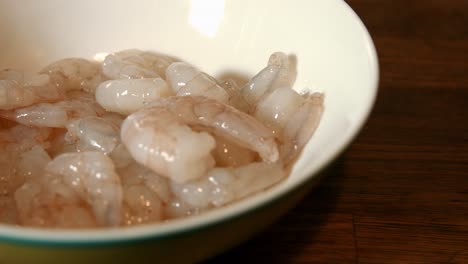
[399,194]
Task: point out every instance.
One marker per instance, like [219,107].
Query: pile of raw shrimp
[142,138]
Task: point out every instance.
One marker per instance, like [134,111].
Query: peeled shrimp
[235,97]
[128,95]
[160,136]
[17,91]
[292,117]
[276,109]
[48,202]
[224,120]
[75,190]
[98,134]
[157,139]
[135,64]
[32,163]
[74,74]
[93,178]
[187,80]
[54,114]
[278,73]
[229,154]
[144,195]
[17,167]
[300,127]
[225,185]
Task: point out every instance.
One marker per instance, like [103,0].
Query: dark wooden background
[399,194]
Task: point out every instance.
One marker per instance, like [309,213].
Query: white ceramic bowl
[335,56]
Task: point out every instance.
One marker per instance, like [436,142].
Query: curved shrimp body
[98,134]
[145,194]
[74,74]
[187,80]
[54,114]
[159,140]
[16,92]
[46,201]
[278,73]
[92,177]
[225,185]
[126,96]
[301,126]
[160,136]
[230,154]
[224,120]
[235,96]
[292,117]
[135,64]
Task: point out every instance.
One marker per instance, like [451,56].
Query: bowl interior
[335,55]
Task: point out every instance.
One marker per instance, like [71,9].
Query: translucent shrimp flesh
[135,64]
[93,177]
[54,114]
[225,185]
[161,137]
[142,138]
[98,134]
[279,72]
[18,91]
[129,95]
[144,195]
[74,74]
[188,80]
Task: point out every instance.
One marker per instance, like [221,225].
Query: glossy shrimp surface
[17,90]
[161,135]
[142,138]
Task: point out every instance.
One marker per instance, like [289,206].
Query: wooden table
[399,194]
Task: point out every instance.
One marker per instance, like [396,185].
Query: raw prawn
[74,74]
[129,95]
[229,154]
[54,114]
[225,185]
[160,136]
[235,96]
[98,134]
[135,64]
[279,72]
[187,80]
[300,127]
[17,91]
[144,195]
[92,176]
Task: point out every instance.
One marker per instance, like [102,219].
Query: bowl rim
[181,227]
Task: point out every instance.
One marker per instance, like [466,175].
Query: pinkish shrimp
[235,97]
[17,90]
[17,166]
[222,186]
[229,154]
[21,157]
[98,134]
[74,74]
[188,80]
[48,202]
[129,95]
[54,114]
[160,136]
[292,117]
[145,195]
[300,127]
[135,64]
[92,176]
[279,72]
